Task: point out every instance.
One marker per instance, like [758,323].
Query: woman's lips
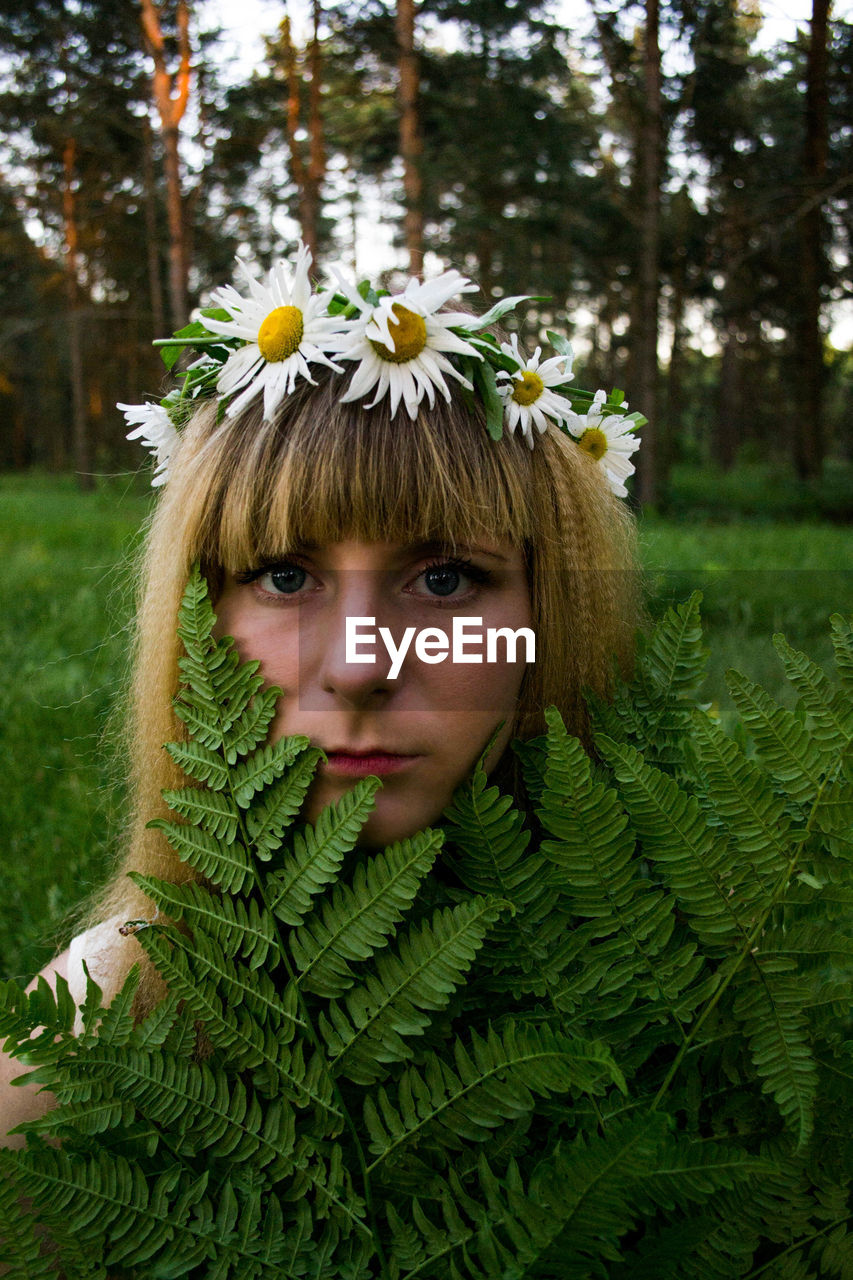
[361,764]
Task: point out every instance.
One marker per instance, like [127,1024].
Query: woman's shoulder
[101,949]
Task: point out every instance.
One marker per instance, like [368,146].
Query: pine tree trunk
[171,93]
[671,423]
[809,429]
[644,326]
[410,135]
[317,151]
[79,422]
[298,173]
[152,246]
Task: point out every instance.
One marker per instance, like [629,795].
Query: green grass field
[65,575]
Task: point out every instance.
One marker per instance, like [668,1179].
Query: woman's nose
[349,665]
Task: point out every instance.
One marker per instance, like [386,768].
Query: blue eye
[288,579]
[451,578]
[442,580]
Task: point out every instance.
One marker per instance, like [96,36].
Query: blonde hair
[242,491]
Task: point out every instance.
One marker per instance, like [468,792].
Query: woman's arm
[26,1102]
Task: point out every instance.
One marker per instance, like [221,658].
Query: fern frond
[743,798]
[266,766]
[116,1024]
[227,865]
[317,852]
[23,1252]
[788,750]
[842,643]
[689,854]
[358,918]
[37,1024]
[651,712]
[366,1032]
[109,1206]
[197,1107]
[630,946]
[833,813]
[771,1013]
[201,763]
[488,848]
[247,1042]
[492,1081]
[566,1222]
[239,927]
[213,811]
[830,709]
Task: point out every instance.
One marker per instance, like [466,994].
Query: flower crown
[405,347]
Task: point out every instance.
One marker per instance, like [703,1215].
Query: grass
[65,578]
[65,587]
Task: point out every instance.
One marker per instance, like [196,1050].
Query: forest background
[675,183]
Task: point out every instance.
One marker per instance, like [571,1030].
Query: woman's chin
[396,815]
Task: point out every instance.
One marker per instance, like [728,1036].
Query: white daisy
[401,342]
[285,327]
[153,426]
[609,438]
[528,399]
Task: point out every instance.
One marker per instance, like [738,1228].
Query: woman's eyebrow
[439,547]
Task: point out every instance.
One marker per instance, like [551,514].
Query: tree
[810,443]
[171,91]
[645,322]
[410,139]
[73,148]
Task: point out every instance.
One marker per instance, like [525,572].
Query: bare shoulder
[25,1102]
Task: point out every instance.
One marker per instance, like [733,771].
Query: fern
[612,1039]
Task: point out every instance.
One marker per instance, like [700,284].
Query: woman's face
[419,725]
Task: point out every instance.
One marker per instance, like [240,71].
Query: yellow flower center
[528,388]
[594,442]
[281,333]
[409,335]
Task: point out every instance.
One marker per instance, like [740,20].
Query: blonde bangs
[331,472]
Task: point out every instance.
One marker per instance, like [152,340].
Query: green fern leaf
[788,750]
[195,1107]
[267,821]
[842,643]
[227,865]
[831,711]
[239,928]
[493,1080]
[743,798]
[200,763]
[117,1022]
[690,855]
[488,848]
[651,712]
[771,1012]
[630,946]
[268,764]
[210,810]
[22,1256]
[358,918]
[247,1043]
[366,1032]
[317,853]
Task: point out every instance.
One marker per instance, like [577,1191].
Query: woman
[313,513]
